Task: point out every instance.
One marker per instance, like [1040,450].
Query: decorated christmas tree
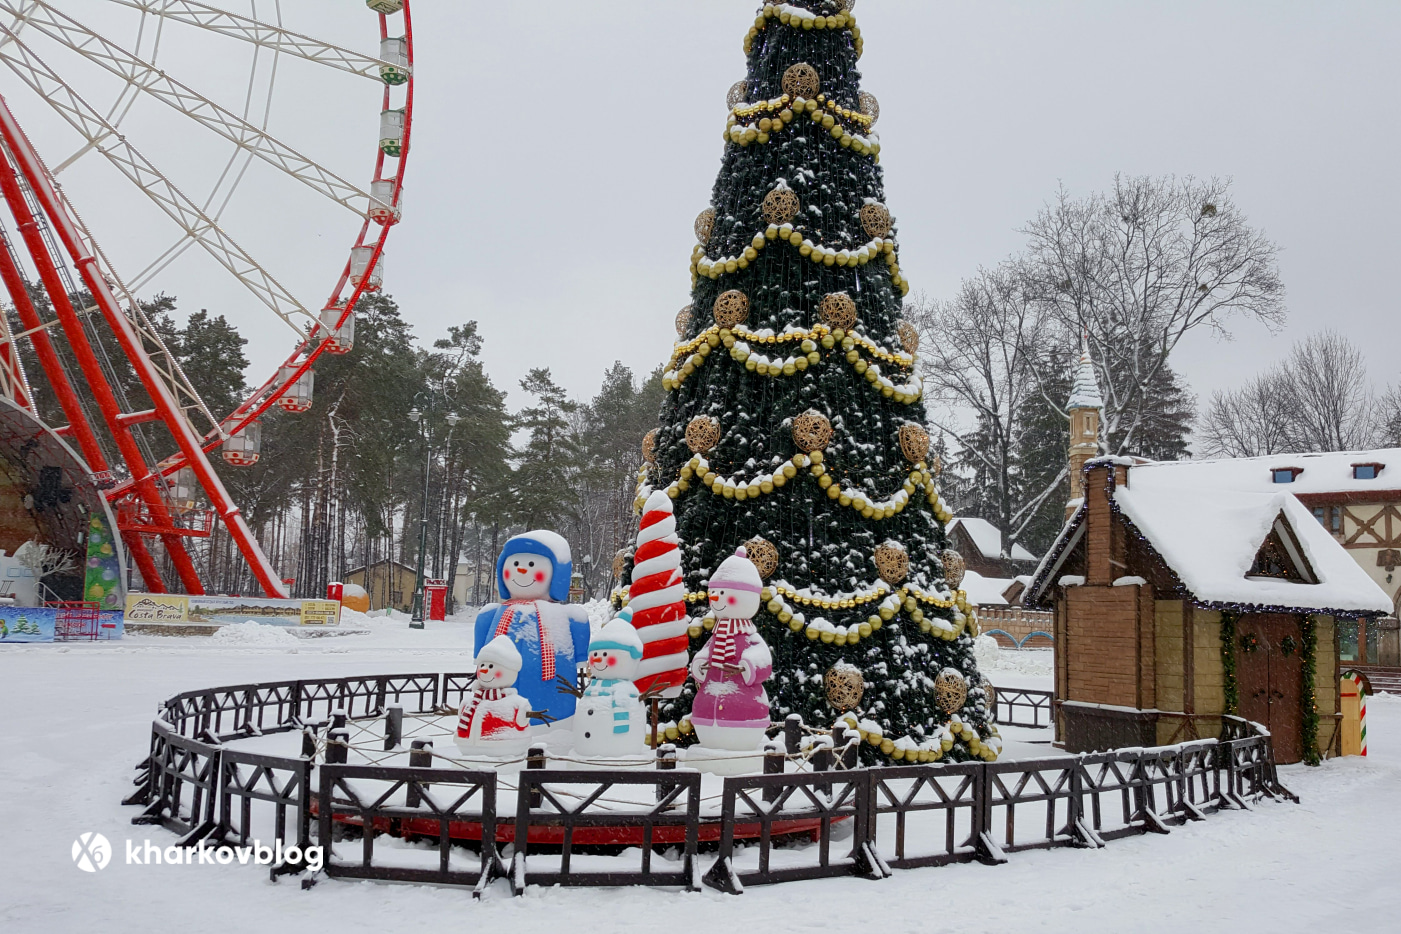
[793,422]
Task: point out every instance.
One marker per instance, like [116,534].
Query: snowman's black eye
[532,564]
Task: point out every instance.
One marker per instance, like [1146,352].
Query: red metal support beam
[165,403]
[44,349]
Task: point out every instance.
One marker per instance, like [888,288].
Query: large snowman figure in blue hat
[532,577]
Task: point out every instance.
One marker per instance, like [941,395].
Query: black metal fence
[441,825]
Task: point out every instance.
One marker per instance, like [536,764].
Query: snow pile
[254,634]
[1022,661]
[600,611]
[985,652]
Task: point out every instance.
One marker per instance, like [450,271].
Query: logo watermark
[91,852]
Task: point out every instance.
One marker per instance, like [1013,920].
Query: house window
[1366,471]
[1330,517]
[1286,474]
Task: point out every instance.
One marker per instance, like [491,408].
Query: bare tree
[1318,399]
[976,358]
[1389,415]
[1336,410]
[1251,421]
[1136,269]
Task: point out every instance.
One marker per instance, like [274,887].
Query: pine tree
[794,355]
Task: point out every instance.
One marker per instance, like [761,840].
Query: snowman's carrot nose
[714,598]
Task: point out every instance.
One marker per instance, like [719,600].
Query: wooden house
[980,544]
[390,584]
[1176,601]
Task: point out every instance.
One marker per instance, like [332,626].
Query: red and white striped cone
[657,599]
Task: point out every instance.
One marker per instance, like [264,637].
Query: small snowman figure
[731,709]
[611,720]
[494,714]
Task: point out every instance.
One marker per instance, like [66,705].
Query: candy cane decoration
[657,599]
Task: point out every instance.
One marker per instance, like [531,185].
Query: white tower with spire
[1086,407]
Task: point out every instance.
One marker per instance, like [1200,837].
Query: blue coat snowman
[532,577]
[611,720]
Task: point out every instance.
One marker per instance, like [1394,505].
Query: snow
[1084,394]
[1329,472]
[1212,561]
[987,538]
[253,632]
[1328,862]
[984,591]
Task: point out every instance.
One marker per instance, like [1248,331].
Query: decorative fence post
[535,759]
[420,757]
[393,726]
[774,761]
[666,762]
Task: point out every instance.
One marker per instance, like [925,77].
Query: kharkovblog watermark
[92,852]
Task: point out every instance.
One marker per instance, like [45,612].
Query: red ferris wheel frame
[141,498]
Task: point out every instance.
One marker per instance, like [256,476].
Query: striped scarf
[547,647]
[722,644]
[469,710]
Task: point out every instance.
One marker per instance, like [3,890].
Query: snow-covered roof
[1084,393]
[984,591]
[1209,537]
[1330,472]
[987,538]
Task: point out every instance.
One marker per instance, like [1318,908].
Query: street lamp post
[418,418]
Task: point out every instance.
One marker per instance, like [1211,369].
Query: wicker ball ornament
[736,94]
[683,321]
[780,205]
[649,447]
[869,106]
[844,685]
[991,693]
[731,308]
[954,567]
[914,443]
[620,563]
[892,562]
[763,554]
[801,80]
[875,219]
[702,434]
[705,223]
[838,310]
[909,337]
[811,431]
[950,691]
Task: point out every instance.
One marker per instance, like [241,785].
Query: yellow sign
[320,612]
[157,608]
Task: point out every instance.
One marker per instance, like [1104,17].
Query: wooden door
[1269,673]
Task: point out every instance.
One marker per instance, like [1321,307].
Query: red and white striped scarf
[469,711]
[547,647]
[722,644]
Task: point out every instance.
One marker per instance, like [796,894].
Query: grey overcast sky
[562,149]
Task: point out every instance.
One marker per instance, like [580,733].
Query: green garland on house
[1230,687]
[1307,697]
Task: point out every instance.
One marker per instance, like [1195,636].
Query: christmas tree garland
[1230,687]
[1308,698]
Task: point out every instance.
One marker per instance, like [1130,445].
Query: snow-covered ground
[77,718]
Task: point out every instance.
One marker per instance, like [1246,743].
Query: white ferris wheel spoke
[45,19]
[263,34]
[89,124]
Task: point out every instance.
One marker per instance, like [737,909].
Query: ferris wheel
[244,153]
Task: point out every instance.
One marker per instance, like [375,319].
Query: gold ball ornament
[875,219]
[869,106]
[811,431]
[736,94]
[892,562]
[649,447]
[801,80]
[914,442]
[702,434]
[838,310]
[620,563]
[909,337]
[683,321]
[763,554]
[781,205]
[954,567]
[844,685]
[731,308]
[705,223]
[950,691]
